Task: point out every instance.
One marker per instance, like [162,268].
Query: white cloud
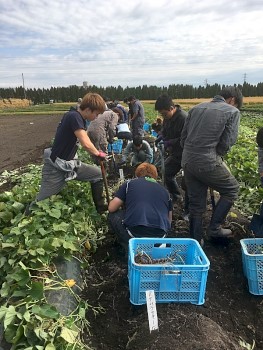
[59,43]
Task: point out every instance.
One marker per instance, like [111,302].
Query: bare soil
[230,313]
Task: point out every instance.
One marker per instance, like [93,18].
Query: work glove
[159,138]
[102,155]
[167,143]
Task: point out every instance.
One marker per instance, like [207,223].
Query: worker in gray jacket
[102,130]
[209,132]
[137,116]
[139,151]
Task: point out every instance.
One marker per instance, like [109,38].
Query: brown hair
[94,102]
[146,169]
[118,111]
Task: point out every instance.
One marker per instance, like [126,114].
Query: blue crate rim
[246,241]
[172,240]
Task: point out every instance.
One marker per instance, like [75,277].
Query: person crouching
[141,207]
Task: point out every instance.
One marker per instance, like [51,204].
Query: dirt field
[23,139]
[229,315]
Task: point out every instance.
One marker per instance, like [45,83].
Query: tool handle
[105,180]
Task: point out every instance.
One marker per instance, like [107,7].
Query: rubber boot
[98,198]
[173,188]
[220,213]
[196,229]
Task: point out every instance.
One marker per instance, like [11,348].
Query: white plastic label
[121,174]
[152,312]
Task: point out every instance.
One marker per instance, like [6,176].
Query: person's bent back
[148,207]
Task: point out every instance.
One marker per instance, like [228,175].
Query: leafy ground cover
[231,317]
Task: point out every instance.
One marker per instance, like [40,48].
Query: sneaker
[219,232]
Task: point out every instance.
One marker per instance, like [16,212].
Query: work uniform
[103,129]
[209,132]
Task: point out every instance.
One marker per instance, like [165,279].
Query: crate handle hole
[162,245]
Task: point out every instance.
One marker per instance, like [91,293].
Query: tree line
[144,92]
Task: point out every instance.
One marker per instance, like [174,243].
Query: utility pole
[245,77]
[24,86]
[205,82]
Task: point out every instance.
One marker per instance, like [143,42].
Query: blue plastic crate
[183,280]
[116,146]
[146,127]
[252,259]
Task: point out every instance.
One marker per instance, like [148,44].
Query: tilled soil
[23,139]
[230,314]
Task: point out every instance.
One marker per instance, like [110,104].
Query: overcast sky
[130,43]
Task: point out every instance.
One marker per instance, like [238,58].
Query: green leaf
[63,226]
[69,245]
[6,216]
[19,293]
[69,335]
[8,245]
[45,310]
[15,231]
[3,310]
[5,290]
[32,252]
[10,333]
[9,316]
[41,251]
[55,213]
[57,242]
[21,276]
[40,333]
[2,261]
[27,316]
[37,291]
[82,312]
[50,347]
[18,206]
[42,231]
[2,206]
[19,333]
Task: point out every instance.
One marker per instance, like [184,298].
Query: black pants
[197,183]
[115,221]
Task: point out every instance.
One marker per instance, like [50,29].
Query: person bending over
[102,131]
[61,163]
[141,207]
